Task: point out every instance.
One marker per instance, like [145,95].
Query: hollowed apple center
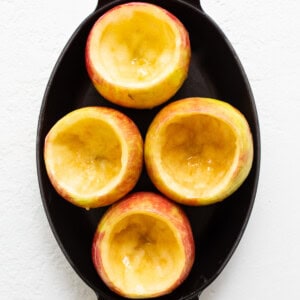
[137,47]
[144,255]
[86,156]
[198,151]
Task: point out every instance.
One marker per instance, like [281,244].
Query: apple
[198,151]
[93,156]
[138,55]
[143,246]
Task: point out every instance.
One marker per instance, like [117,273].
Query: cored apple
[143,246]
[198,150]
[93,156]
[138,55]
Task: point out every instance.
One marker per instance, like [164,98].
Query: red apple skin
[145,202]
[137,97]
[207,106]
[134,143]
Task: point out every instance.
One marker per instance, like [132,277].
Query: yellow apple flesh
[138,55]
[198,151]
[93,156]
[143,246]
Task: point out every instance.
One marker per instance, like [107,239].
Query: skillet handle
[193,298]
[101,3]
[195,3]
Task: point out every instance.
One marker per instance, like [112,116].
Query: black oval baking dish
[215,72]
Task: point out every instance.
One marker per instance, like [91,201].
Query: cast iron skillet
[216,72]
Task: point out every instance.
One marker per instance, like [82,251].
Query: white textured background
[266,37]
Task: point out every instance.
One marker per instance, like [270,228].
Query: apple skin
[153,93]
[154,204]
[132,156]
[200,106]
